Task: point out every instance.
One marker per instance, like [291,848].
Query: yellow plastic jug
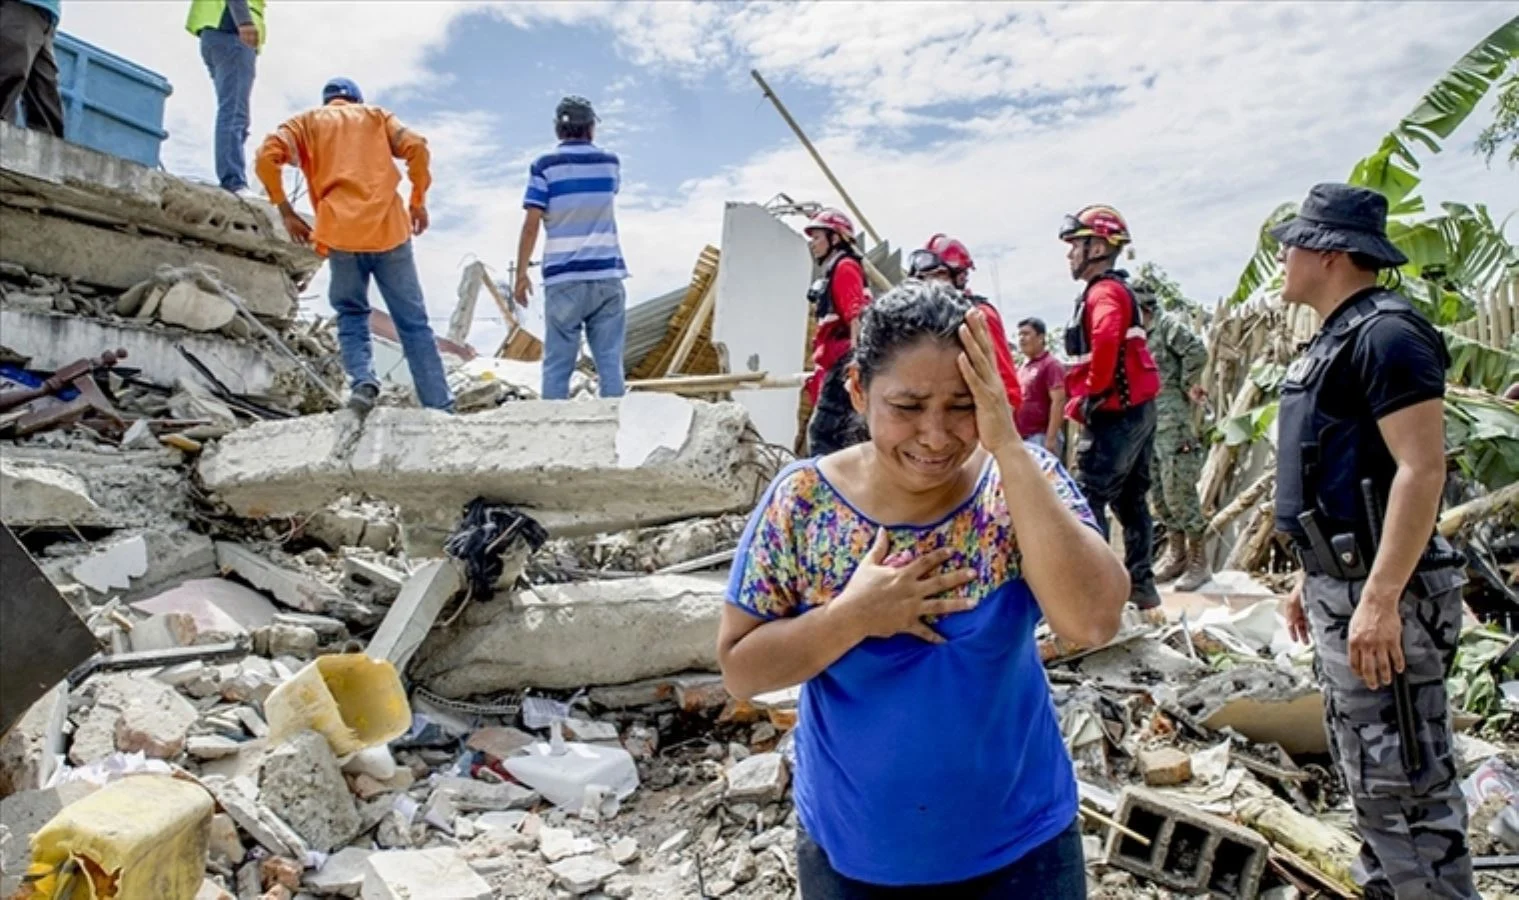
[141,838]
[351,699]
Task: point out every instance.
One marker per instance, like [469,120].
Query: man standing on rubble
[28,70]
[571,193]
[1041,379]
[346,149]
[230,34]
[1112,384]
[1180,356]
[837,298]
[1360,471]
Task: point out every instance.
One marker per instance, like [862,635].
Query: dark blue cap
[341,89]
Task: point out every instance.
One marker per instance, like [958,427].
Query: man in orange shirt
[346,148]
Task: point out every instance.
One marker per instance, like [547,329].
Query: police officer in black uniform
[1360,471]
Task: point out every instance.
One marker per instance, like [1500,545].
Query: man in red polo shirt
[1041,377]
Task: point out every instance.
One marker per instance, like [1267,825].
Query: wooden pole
[718,384]
[848,201]
[693,327]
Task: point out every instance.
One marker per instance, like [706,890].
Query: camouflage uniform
[1412,824]
[1179,452]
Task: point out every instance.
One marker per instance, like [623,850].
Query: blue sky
[985,120]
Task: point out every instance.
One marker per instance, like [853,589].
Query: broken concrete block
[113,566]
[164,631]
[289,587]
[280,639]
[341,876]
[328,629]
[439,874]
[412,615]
[155,725]
[560,843]
[1165,766]
[590,732]
[761,778]
[30,748]
[301,783]
[33,494]
[185,304]
[277,870]
[1189,850]
[576,468]
[572,635]
[583,874]
[367,787]
[478,796]
[222,609]
[336,529]
[211,746]
[384,581]
[134,565]
[226,846]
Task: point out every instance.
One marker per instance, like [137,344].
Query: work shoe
[1174,560]
[1198,573]
[363,398]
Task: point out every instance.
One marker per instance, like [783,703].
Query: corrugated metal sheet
[647,324]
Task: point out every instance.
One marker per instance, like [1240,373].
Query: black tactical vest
[820,295]
[1078,344]
[1322,458]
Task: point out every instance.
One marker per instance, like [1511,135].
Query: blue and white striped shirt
[575,186]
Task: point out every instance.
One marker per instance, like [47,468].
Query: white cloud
[1209,116]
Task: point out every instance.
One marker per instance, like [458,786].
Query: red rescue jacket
[1005,365]
[840,297]
[1109,358]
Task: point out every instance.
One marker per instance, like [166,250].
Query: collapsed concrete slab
[53,340]
[66,248]
[39,171]
[577,468]
[135,565]
[571,635]
[125,487]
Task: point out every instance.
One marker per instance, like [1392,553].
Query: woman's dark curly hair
[910,312]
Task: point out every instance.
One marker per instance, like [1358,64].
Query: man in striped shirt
[571,192]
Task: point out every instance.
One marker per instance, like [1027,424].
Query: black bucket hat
[1345,218]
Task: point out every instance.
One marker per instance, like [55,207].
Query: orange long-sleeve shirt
[347,151]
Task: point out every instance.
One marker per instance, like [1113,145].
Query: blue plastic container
[110,104]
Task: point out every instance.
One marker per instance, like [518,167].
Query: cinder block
[1189,850]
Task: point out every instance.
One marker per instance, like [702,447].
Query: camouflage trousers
[1176,473]
[1412,824]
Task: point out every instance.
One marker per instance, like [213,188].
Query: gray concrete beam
[67,248]
[54,340]
[576,467]
[38,170]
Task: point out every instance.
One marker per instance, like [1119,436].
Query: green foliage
[1474,364]
[1474,679]
[1505,126]
[1486,432]
[1263,270]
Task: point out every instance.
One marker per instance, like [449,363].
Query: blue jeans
[230,63]
[599,307]
[396,274]
[1055,870]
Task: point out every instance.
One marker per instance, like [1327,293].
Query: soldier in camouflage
[1179,452]
[1360,471]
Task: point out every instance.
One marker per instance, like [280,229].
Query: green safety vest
[208,14]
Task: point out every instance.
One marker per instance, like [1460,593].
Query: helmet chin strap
[1087,258]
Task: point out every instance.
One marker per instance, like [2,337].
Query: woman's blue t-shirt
[916,764]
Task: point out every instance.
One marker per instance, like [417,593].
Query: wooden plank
[694,327]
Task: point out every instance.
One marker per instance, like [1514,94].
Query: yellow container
[140,838]
[351,699]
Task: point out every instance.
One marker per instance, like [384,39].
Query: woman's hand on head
[883,600]
[978,365]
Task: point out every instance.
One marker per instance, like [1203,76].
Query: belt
[1432,560]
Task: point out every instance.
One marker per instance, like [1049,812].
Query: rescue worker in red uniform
[1112,382]
[946,259]
[838,297]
